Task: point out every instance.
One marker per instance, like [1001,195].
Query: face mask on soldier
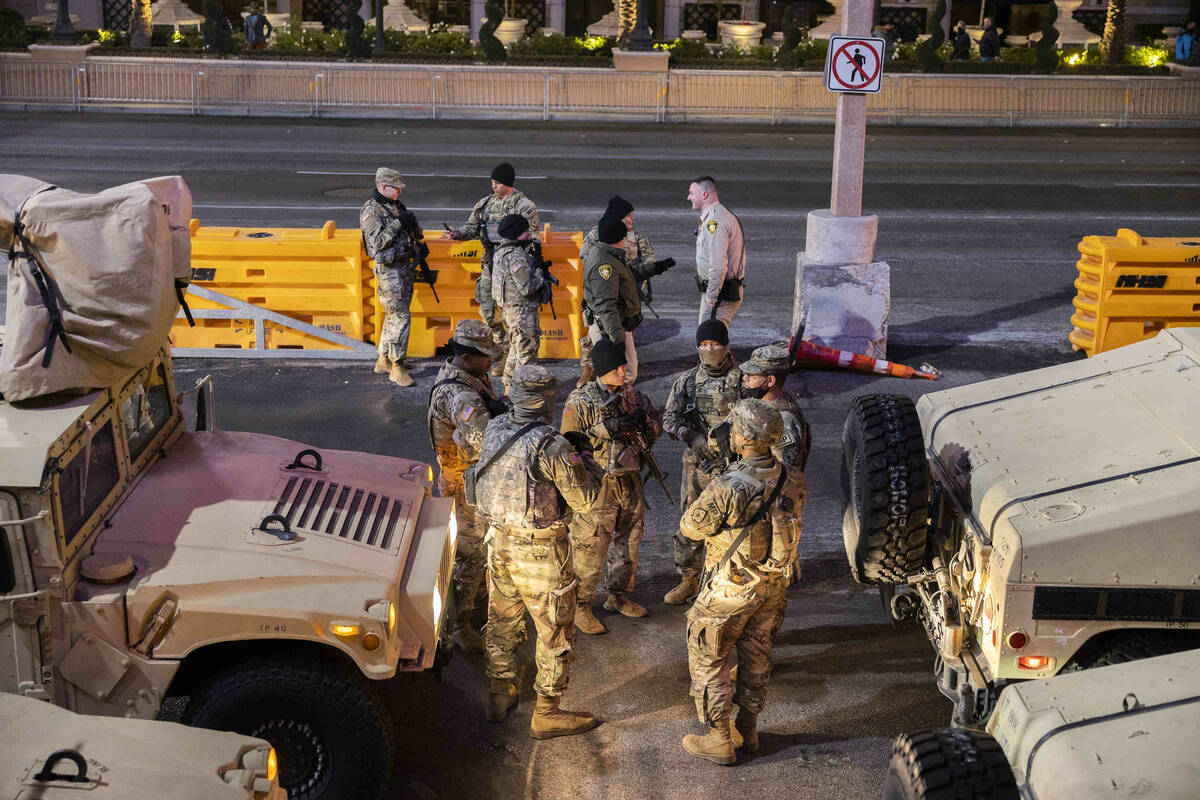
[757,392]
[713,357]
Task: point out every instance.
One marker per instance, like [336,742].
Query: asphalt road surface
[980,227]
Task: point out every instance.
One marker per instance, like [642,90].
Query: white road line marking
[421,174]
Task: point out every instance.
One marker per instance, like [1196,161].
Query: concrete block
[840,240]
[846,307]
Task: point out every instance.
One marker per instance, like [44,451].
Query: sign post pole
[842,297]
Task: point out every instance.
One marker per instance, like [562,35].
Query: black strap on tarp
[181,295]
[45,284]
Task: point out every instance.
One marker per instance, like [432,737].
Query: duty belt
[554,532]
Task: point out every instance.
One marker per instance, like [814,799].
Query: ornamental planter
[743,33]
[510,30]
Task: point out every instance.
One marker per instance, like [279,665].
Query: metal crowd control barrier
[1129,288]
[456,265]
[320,89]
[270,292]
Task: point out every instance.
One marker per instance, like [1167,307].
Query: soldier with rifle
[519,287]
[393,239]
[482,224]
[618,425]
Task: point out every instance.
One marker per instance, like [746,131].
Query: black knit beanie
[607,355]
[504,173]
[712,329]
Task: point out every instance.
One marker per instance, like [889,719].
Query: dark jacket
[989,43]
[258,28]
[962,46]
[610,291]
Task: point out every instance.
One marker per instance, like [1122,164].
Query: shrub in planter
[1146,56]
[218,36]
[685,49]
[304,42]
[13,30]
[929,51]
[1018,55]
[492,47]
[441,43]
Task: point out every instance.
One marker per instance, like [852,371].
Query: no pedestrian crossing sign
[854,64]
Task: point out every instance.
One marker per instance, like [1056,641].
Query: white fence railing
[434,92]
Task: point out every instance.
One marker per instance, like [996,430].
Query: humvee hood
[1111,444]
[197,516]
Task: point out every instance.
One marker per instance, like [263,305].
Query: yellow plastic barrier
[1129,288]
[323,277]
[314,275]
[457,267]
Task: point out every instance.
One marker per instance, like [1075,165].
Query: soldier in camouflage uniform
[482,224]
[764,377]
[699,400]
[639,258]
[750,517]
[387,229]
[516,284]
[617,423]
[461,404]
[527,481]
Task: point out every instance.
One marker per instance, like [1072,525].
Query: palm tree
[139,25]
[626,19]
[1112,46]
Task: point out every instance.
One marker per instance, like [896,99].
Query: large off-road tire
[329,726]
[1121,647]
[885,481]
[950,764]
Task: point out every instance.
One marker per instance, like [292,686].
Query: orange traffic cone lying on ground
[811,354]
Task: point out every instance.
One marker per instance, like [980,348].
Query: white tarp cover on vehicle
[92,280]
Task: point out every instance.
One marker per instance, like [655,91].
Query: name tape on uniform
[854,64]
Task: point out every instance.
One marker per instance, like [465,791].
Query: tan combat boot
[466,638]
[399,375]
[502,696]
[587,374]
[550,721]
[623,605]
[586,621]
[716,746]
[747,726]
[383,365]
[687,588]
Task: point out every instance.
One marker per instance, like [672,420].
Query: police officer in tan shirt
[720,253]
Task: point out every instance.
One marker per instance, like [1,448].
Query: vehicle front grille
[318,506]
[1131,605]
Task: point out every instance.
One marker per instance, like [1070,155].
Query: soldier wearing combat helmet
[392,235]
[763,377]
[528,480]
[482,224]
[750,517]
[461,404]
[699,400]
[616,423]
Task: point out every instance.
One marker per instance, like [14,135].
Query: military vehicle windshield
[145,411]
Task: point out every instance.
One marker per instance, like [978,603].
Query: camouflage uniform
[526,496]
[743,603]
[639,257]
[515,287]
[482,222]
[796,441]
[699,399]
[393,251]
[611,531]
[460,407]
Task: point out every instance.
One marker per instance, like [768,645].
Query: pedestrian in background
[482,224]
[390,234]
[1185,42]
[258,28]
[962,43]
[720,253]
[989,43]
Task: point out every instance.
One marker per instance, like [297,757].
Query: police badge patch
[605,271]
[711,226]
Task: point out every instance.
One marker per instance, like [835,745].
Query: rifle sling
[524,429]
[758,515]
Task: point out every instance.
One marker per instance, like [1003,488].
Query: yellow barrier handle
[1130,237]
[545,231]
[327,230]
[193,226]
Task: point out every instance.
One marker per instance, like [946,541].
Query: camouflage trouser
[689,553]
[395,288]
[610,534]
[725,616]
[535,576]
[470,555]
[525,336]
[489,310]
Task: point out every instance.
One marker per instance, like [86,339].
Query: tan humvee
[1043,522]
[50,753]
[269,584]
[1123,731]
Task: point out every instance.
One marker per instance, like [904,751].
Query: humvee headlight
[453,526]
[1035,663]
[437,606]
[343,628]
[371,642]
[391,617]
[272,765]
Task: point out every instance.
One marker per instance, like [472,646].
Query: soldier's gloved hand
[622,424]
[693,439]
[662,266]
[579,441]
[631,323]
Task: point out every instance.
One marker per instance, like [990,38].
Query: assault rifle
[637,438]
[546,294]
[407,223]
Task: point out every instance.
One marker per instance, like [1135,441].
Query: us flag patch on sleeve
[466,413]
